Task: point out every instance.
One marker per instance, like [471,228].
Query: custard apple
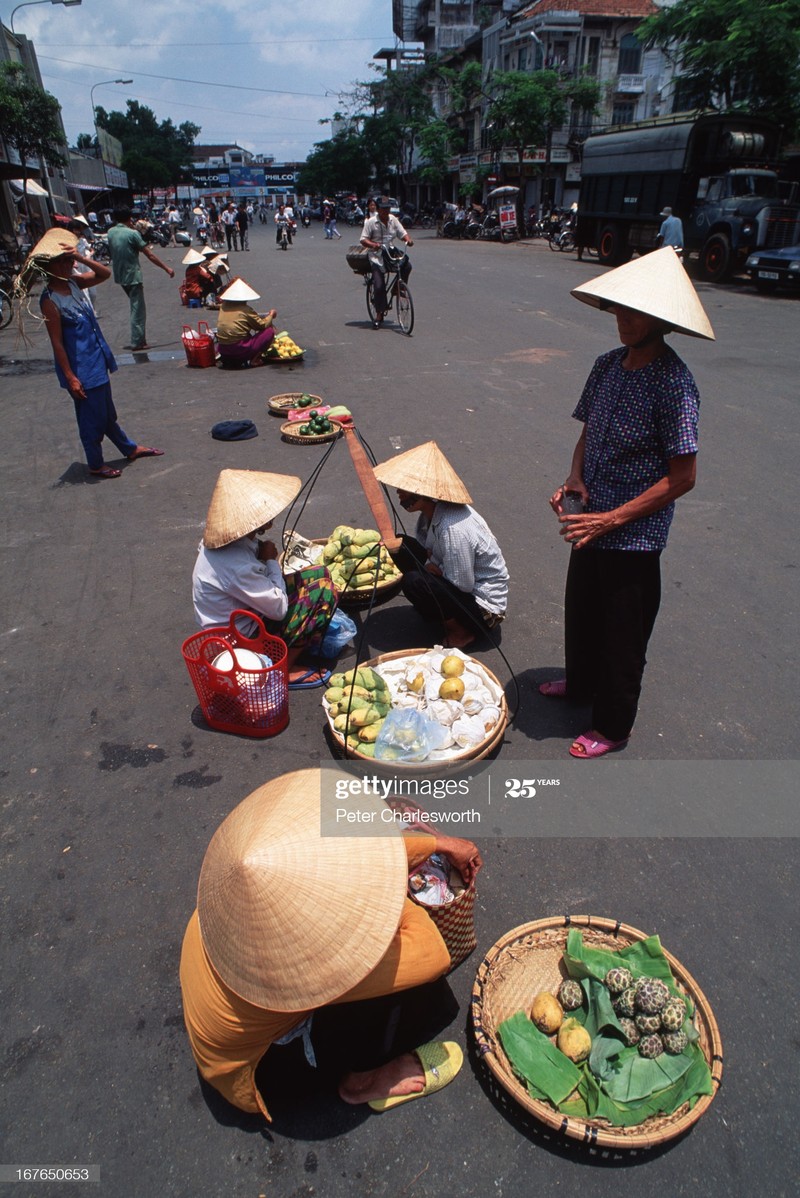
[651,1047]
[570,994]
[630,1030]
[623,1004]
[675,1042]
[618,979]
[648,1023]
[673,1015]
[651,995]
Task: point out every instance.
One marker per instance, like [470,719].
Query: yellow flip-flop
[441,1061]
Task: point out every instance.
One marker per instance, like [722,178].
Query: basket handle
[203,329]
[249,615]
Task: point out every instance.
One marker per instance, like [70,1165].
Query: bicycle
[6,308]
[217,236]
[397,292]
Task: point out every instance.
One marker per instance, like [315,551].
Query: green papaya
[330,551]
[336,681]
[370,732]
[366,536]
[366,749]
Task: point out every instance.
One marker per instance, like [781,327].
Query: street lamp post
[29,3]
[102,83]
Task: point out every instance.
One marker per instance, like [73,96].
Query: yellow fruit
[418,683]
[547,1013]
[574,1040]
[451,688]
[452,666]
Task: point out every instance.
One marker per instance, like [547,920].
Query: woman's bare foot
[403,1075]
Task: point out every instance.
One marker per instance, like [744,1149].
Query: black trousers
[434,598]
[357,1036]
[610,607]
[379,283]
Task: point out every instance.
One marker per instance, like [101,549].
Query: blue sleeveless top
[89,355]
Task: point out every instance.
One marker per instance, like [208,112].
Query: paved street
[113,785]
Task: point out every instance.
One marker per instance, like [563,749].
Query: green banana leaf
[548,1073]
[644,958]
[592,1102]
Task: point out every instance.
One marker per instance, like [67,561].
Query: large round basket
[290,431]
[493,739]
[279,405]
[526,961]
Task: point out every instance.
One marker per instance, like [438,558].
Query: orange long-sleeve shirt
[229,1036]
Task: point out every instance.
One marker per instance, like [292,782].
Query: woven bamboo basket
[527,960]
[279,405]
[493,739]
[290,432]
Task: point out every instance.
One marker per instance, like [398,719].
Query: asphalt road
[113,786]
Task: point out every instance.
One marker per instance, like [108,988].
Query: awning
[96,187]
[30,185]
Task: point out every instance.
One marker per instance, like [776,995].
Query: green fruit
[304,430]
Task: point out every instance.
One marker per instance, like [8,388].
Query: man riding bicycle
[377,235]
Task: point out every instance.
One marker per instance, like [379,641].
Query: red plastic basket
[249,702]
[199,346]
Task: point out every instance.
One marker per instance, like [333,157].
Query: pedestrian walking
[125,245]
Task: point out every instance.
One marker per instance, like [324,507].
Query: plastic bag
[341,631]
[408,735]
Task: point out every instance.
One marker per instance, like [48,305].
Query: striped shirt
[461,544]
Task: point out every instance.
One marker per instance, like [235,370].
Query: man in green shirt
[126,244]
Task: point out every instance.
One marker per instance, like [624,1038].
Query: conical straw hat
[208,252]
[216,264]
[239,290]
[292,919]
[243,500]
[54,243]
[655,284]
[424,471]
[191,258]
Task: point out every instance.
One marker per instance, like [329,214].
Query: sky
[261,74]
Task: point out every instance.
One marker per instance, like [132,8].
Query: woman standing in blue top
[634,458]
[83,359]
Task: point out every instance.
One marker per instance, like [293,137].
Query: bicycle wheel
[405,308]
[6,309]
[373,311]
[566,242]
[552,240]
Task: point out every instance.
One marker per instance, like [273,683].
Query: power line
[271,91]
[297,41]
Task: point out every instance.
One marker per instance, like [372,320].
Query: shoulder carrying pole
[372,489]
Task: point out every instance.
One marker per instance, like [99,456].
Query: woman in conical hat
[83,359]
[242,335]
[237,567]
[635,456]
[294,921]
[453,570]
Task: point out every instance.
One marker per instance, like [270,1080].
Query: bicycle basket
[393,259]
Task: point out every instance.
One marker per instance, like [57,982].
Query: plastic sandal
[556,689]
[313,678]
[595,748]
[106,472]
[441,1061]
[142,451]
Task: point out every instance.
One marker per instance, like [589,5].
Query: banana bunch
[358,701]
[282,346]
[357,560]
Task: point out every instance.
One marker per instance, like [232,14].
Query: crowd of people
[348,980]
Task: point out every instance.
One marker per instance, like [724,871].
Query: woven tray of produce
[292,431]
[279,405]
[597,1031]
[283,349]
[361,569]
[452,707]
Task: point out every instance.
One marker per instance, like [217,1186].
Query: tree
[734,53]
[433,143]
[526,108]
[340,164]
[154,155]
[30,120]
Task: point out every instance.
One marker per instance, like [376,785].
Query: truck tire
[612,249]
[715,259]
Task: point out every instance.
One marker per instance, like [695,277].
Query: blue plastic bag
[408,735]
[341,631]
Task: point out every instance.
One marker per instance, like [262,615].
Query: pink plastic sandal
[597,747]
[556,689]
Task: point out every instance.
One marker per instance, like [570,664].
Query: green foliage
[339,164]
[29,116]
[525,108]
[734,53]
[433,143]
[154,154]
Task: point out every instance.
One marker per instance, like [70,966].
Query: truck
[716,172]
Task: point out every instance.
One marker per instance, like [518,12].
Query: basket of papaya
[597,1031]
[417,710]
[314,431]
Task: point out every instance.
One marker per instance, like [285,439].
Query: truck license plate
[768,274]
